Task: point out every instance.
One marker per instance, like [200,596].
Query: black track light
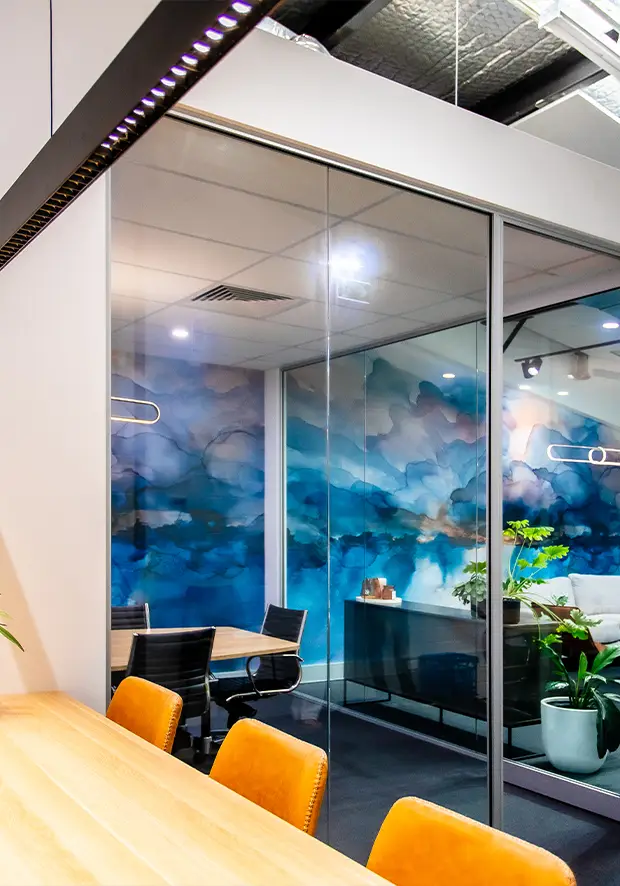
[531,366]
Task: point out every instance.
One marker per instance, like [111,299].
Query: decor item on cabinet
[4,631]
[376,590]
[582,724]
[557,605]
[522,575]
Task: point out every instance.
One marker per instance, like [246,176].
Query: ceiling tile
[150,247]
[313,249]
[284,276]
[350,194]
[407,260]
[455,309]
[212,212]
[387,328]
[153,285]
[591,265]
[215,157]
[430,219]
[537,252]
[204,322]
[386,296]
[313,315]
[127,309]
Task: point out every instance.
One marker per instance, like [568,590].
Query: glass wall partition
[219,278]
[562,369]
[404,665]
[299,462]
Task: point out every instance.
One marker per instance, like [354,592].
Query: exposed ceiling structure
[194,209]
[507,66]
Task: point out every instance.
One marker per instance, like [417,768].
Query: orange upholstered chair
[274,770]
[148,710]
[420,844]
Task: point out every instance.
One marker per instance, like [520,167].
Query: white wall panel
[87,36]
[54,517]
[278,88]
[25,54]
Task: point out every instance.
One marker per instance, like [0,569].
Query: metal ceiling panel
[413,42]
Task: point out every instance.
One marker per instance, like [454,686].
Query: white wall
[25,54]
[54,373]
[54,520]
[272,86]
[274,577]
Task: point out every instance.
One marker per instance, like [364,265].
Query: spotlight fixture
[562,393]
[579,366]
[611,324]
[179,332]
[448,375]
[531,366]
[176,45]
[525,387]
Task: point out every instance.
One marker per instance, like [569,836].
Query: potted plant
[522,573]
[4,631]
[581,725]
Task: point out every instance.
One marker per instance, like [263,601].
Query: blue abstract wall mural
[407,483]
[188,493]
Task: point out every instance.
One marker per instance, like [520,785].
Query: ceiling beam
[75,155]
[570,72]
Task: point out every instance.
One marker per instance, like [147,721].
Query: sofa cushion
[608,629]
[554,587]
[596,594]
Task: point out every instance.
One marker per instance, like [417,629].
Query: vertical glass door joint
[494,527]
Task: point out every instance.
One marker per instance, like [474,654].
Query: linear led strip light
[584,455]
[587,27]
[164,34]
[131,419]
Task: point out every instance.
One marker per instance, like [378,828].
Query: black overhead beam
[324,18]
[76,154]
[571,71]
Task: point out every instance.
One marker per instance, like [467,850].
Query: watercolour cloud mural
[188,494]
[407,483]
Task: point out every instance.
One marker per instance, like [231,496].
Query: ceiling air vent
[224,293]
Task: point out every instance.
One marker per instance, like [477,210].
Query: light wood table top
[228,643]
[84,801]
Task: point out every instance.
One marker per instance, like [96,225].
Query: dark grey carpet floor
[372,766]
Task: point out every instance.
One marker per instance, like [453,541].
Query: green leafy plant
[523,573]
[4,631]
[585,690]
[558,600]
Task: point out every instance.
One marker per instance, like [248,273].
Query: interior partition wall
[331,354]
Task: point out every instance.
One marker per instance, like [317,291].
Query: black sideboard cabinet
[437,655]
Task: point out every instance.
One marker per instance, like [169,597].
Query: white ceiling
[578,123]
[193,208]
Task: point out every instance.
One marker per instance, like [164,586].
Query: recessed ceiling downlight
[179,332]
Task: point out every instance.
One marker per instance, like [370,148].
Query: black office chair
[275,674]
[133,618]
[179,661]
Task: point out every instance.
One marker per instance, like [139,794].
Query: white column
[275,581]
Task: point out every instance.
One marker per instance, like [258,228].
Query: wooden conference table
[84,801]
[228,643]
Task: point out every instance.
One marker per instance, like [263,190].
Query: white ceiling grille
[224,293]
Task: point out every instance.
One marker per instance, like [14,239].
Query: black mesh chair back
[177,660]
[133,618]
[285,624]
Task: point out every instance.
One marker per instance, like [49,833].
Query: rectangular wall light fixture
[176,45]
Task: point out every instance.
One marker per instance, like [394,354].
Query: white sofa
[595,595]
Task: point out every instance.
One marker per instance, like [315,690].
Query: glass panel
[562,368]
[218,281]
[407,669]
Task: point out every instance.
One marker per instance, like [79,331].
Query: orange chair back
[147,710]
[274,770]
[420,844]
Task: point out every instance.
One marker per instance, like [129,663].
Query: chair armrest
[279,655]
